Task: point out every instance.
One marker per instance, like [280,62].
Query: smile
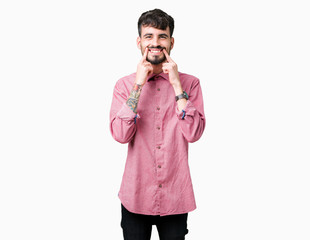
[155,50]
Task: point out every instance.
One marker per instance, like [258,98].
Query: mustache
[157,47]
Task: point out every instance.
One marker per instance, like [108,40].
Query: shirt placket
[158,146]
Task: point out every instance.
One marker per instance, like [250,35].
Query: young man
[157,110]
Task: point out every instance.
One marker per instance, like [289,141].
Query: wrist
[140,79]
[137,87]
[139,83]
[182,96]
[177,89]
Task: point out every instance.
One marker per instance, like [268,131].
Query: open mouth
[155,50]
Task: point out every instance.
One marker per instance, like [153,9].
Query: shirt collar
[162,75]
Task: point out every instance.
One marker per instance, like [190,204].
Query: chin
[156,61]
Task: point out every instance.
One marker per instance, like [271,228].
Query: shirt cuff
[189,110]
[125,113]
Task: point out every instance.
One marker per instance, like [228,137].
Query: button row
[158,147]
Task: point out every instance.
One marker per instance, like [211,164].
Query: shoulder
[188,79]
[127,79]
[126,82]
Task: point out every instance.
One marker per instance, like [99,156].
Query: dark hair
[156,18]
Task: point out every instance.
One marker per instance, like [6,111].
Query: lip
[155,51]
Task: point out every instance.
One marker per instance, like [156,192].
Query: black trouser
[139,227]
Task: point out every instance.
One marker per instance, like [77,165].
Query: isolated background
[60,169]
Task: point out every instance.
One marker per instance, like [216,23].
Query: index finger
[169,59]
[145,53]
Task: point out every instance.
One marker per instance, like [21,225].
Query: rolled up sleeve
[122,118]
[192,119]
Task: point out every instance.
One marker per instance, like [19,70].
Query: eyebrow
[160,35]
[163,35]
[147,34]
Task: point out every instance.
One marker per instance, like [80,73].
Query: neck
[157,68]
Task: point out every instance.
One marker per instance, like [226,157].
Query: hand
[171,68]
[144,69]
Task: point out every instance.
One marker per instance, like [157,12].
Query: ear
[139,42]
[172,42]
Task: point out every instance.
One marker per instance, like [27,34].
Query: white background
[60,169]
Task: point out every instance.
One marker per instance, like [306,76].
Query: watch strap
[183,95]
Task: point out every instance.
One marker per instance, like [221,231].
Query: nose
[155,42]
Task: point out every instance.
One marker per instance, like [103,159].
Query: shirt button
[159,166]
[158,147]
[160,185]
[158,128]
[158,89]
[158,108]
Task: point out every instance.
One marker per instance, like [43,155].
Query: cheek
[168,46]
[168,49]
[144,45]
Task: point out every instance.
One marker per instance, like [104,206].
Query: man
[157,110]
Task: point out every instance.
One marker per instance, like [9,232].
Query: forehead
[154,31]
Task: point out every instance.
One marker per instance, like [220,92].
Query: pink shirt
[157,179]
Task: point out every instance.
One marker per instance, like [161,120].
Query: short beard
[156,60]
